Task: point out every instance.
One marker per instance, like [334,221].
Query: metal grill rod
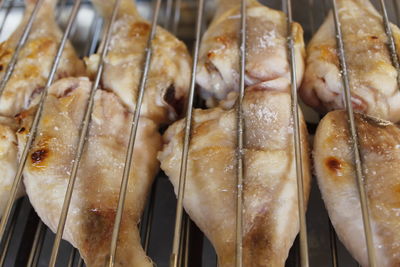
[391,42]
[37,117]
[82,138]
[304,258]
[132,137]
[188,125]
[396,11]
[177,16]
[333,244]
[20,44]
[354,139]
[37,244]
[240,137]
[10,231]
[7,12]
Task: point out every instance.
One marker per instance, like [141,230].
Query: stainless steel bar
[82,138]
[20,44]
[333,245]
[304,257]
[7,243]
[391,42]
[37,245]
[187,241]
[186,141]
[95,30]
[10,232]
[396,11]
[149,218]
[80,262]
[354,139]
[177,16]
[71,257]
[311,15]
[7,12]
[132,137]
[35,123]
[240,138]
[168,13]
[182,241]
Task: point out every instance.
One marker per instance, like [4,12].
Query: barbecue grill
[168,235]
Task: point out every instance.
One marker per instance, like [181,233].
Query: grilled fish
[169,75]
[267,63]
[94,202]
[373,79]
[379,143]
[35,59]
[270,190]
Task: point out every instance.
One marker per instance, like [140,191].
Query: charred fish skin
[270,196]
[35,59]
[372,77]
[267,64]
[169,76]
[379,143]
[94,201]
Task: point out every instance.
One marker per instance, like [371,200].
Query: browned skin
[372,77]
[35,59]
[379,143]
[270,190]
[267,64]
[169,75]
[94,203]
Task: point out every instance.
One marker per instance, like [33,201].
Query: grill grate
[36,240]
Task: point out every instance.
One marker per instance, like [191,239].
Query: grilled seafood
[379,142]
[270,190]
[94,202]
[35,59]
[373,79]
[169,76]
[267,63]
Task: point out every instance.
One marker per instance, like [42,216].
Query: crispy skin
[267,64]
[270,190]
[94,202]
[372,76]
[35,60]
[169,75]
[379,143]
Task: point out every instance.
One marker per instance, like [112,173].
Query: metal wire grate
[19,215]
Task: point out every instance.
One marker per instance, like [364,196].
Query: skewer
[82,138]
[354,140]
[132,137]
[20,44]
[240,138]
[391,42]
[333,245]
[186,141]
[37,117]
[37,244]
[304,258]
